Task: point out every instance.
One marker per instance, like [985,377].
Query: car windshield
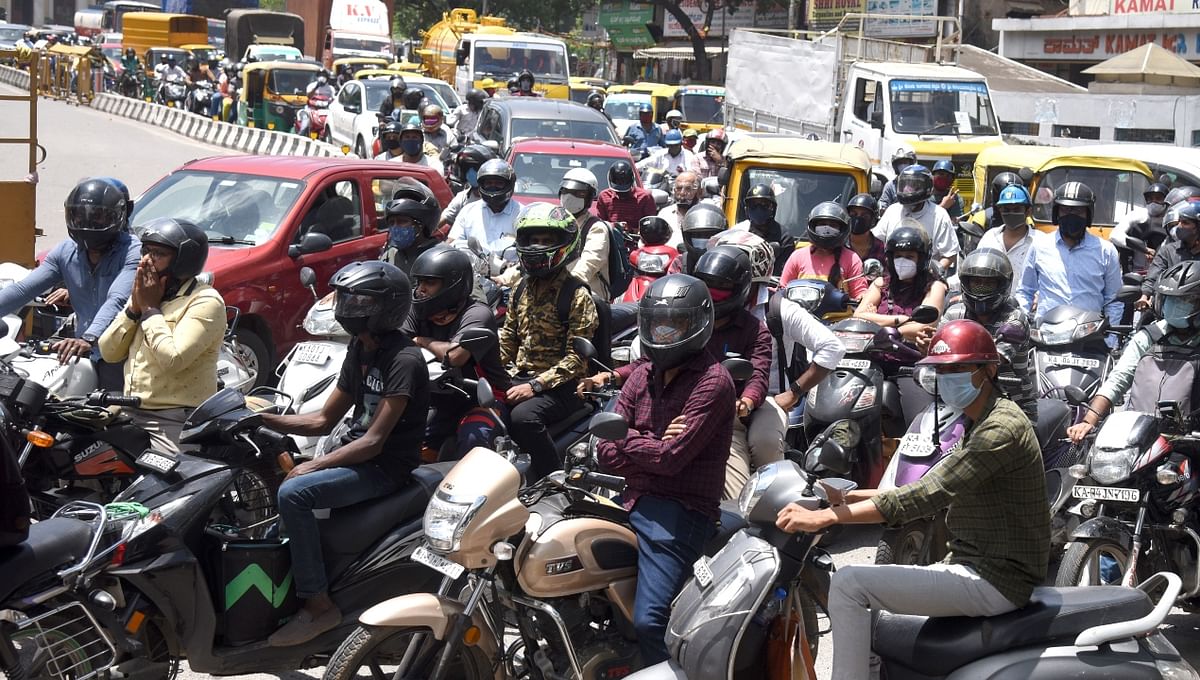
[796,192]
[363,44]
[625,106]
[702,108]
[942,108]
[1117,192]
[563,129]
[289,82]
[110,51]
[236,210]
[539,174]
[378,89]
[507,59]
[448,95]
[278,54]
[11,34]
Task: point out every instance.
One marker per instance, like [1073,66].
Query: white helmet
[580,178]
[761,253]
[674,113]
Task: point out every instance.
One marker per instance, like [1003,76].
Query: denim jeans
[530,426]
[670,540]
[473,426]
[329,488]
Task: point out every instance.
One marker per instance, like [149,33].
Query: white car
[354,113]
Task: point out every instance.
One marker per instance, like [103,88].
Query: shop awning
[1149,63]
[686,53]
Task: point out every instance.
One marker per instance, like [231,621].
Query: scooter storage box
[254,589]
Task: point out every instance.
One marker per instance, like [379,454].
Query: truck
[843,86]
[144,30]
[109,17]
[212,9]
[247,27]
[345,28]
[464,48]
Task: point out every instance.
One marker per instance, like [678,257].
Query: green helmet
[545,259]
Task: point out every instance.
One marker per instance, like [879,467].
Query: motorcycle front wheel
[367,651]
[905,545]
[1092,563]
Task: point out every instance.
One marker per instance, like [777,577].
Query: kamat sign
[1098,46]
[1149,6]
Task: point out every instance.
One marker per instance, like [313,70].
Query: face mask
[473,177]
[1186,235]
[1176,312]
[572,203]
[860,225]
[402,237]
[1156,209]
[905,268]
[942,183]
[411,147]
[685,202]
[758,215]
[957,390]
[432,122]
[353,324]
[1013,220]
[1072,226]
[322,81]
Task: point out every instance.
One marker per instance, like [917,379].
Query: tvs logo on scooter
[564,566]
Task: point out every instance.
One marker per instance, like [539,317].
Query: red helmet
[961,341]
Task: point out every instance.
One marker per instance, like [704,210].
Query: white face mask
[573,204]
[906,269]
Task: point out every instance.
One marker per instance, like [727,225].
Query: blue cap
[1013,194]
[673,137]
[944,166]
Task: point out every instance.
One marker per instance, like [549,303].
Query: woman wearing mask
[910,283]
[1014,239]
[410,218]
[864,211]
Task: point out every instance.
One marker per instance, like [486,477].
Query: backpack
[602,339]
[620,269]
[1166,372]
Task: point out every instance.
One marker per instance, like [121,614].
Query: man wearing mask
[525,83]
[624,203]
[577,193]
[466,170]
[713,157]
[760,206]
[645,134]
[674,120]
[989,218]
[394,102]
[97,264]
[436,134]
[863,210]
[317,88]
[1146,224]
[410,218]
[902,157]
[944,193]
[690,137]
[672,160]
[491,221]
[465,118]
[1184,219]
[687,194]
[170,332]
[405,145]
[1015,237]
[914,185]
[1072,266]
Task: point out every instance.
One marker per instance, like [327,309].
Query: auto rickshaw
[273,91]
[1117,182]
[581,87]
[702,106]
[203,53]
[150,82]
[662,97]
[357,64]
[408,67]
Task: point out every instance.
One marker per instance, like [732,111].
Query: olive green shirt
[995,488]
[533,339]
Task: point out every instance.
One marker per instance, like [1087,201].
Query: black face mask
[860,225]
[1072,226]
[354,324]
[389,144]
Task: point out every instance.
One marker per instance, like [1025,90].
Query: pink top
[805,264]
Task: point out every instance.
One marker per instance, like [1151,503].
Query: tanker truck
[464,48]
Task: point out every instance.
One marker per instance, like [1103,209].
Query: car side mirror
[925,314]
[312,242]
[308,278]
[484,395]
[738,368]
[710,186]
[1075,395]
[353,108]
[608,425]
[872,268]
[460,55]
[478,341]
[1129,293]
[877,119]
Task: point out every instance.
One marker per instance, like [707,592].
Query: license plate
[855,364]
[158,461]
[916,446]
[1077,362]
[704,575]
[423,555]
[311,353]
[1106,493]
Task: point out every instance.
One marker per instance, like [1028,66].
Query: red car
[268,216]
[541,163]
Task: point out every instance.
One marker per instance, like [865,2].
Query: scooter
[316,113]
[651,263]
[171,91]
[1070,350]
[199,97]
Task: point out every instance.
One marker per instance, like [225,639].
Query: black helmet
[675,320]
[914,184]
[1182,193]
[985,277]
[1177,295]
[189,242]
[700,223]
[525,75]
[1074,194]
[726,272]
[97,210]
[907,238]
[828,225]
[1156,188]
[453,268]
[414,98]
[545,260]
[620,177]
[130,52]
[171,59]
[861,225]
[595,97]
[904,155]
[654,230]
[471,157]
[475,98]
[761,195]
[500,179]
[371,296]
[397,86]
[1002,180]
[412,199]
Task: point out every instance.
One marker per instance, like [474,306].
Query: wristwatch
[536,385]
[89,339]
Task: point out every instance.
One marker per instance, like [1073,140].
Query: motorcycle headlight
[1082,330]
[755,487]
[320,321]
[652,263]
[1109,466]
[446,517]
[1059,333]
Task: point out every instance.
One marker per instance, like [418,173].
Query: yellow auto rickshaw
[202,52]
[702,106]
[662,97]
[408,67]
[357,64]
[1117,182]
[273,91]
[581,87]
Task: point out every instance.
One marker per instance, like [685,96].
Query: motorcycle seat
[937,646]
[730,523]
[564,425]
[354,528]
[52,543]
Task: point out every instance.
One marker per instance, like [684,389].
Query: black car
[507,119]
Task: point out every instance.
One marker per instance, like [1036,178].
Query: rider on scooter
[994,485]
[409,219]
[828,258]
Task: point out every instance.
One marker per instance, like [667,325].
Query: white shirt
[493,231]
[994,238]
[671,215]
[933,219]
[672,165]
[802,328]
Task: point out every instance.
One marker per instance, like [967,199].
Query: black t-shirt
[396,369]
[476,315]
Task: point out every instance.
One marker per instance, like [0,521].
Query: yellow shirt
[170,358]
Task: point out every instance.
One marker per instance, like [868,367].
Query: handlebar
[102,398]
[582,476]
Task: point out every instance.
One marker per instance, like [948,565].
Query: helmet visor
[351,305]
[983,286]
[662,326]
[92,217]
[911,186]
[825,231]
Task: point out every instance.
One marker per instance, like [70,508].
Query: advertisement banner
[825,14]
[901,28]
[749,15]
[1096,46]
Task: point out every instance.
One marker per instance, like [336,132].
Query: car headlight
[1109,466]
[320,321]
[755,487]
[446,517]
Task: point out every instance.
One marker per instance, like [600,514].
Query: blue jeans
[329,488]
[670,540]
[474,426]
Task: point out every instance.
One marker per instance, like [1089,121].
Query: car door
[343,129]
[863,121]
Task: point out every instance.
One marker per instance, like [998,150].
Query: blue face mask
[473,177]
[412,147]
[402,237]
[758,214]
[957,390]
[1177,312]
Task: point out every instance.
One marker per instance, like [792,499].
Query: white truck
[878,95]
[358,28]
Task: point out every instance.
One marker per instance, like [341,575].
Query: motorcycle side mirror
[723,176]
[484,395]
[1137,245]
[829,457]
[738,368]
[925,314]
[478,341]
[628,140]
[710,186]
[1133,278]
[661,198]
[1129,293]
[1012,333]
[1075,395]
[608,425]
[1026,175]
[872,269]
[834,490]
[308,277]
[970,228]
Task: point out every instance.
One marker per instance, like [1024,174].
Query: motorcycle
[171,91]
[129,84]
[316,113]
[199,97]
[1070,350]
[650,263]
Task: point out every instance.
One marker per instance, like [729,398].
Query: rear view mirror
[1026,175]
[723,176]
[925,314]
[1129,293]
[1075,395]
[484,394]
[872,269]
[610,426]
[1133,278]
[308,278]
[739,369]
[661,198]
[830,457]
[312,242]
[710,186]
[583,347]
[478,341]
[1137,245]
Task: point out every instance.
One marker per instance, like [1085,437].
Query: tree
[696,35]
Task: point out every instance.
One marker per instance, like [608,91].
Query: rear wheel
[904,545]
[1092,563]
[63,643]
[369,650]
[360,148]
